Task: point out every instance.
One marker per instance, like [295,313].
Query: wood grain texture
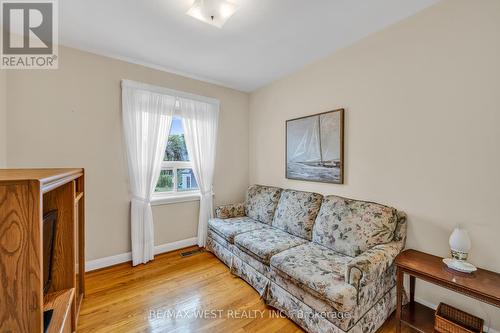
[60,302]
[48,179]
[63,262]
[80,247]
[418,317]
[20,261]
[25,194]
[120,298]
[43,175]
[482,284]
[78,196]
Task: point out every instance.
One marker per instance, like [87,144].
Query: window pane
[176,146]
[165,182]
[186,180]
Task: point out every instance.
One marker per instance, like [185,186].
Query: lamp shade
[460,244]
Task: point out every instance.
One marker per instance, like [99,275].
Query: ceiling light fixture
[214,12]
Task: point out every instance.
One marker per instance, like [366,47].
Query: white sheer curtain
[200,120]
[147,117]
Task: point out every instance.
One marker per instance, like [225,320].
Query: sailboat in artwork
[326,159]
[313,147]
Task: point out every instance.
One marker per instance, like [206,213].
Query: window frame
[174,166]
[175,195]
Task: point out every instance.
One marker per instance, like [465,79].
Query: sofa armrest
[229,211]
[372,264]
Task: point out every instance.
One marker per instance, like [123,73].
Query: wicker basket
[451,320]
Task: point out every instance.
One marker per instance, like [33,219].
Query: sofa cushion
[296,212]
[318,270]
[250,260]
[261,202]
[264,243]
[229,228]
[351,227]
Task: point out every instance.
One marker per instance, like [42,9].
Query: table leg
[399,299]
[412,289]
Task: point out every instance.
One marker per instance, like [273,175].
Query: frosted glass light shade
[213,12]
[460,244]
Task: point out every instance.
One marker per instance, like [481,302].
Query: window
[176,170]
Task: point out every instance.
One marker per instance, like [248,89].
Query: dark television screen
[49,230]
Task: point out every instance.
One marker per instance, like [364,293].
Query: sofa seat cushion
[264,243]
[261,202]
[352,227]
[296,212]
[319,271]
[229,228]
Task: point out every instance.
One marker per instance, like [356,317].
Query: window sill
[167,199]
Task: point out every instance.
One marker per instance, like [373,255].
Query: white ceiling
[263,41]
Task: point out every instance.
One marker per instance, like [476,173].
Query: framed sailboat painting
[315,147]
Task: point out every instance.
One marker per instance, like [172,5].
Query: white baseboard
[92,265]
[434,306]
[176,245]
[107,261]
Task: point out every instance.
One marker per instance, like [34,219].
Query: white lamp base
[460,265]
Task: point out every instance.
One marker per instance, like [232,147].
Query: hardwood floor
[142,298]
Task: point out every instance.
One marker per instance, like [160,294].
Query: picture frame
[314,147]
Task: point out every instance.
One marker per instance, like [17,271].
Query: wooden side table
[482,285]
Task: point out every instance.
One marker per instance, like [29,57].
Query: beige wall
[70,117]
[422,102]
[3,118]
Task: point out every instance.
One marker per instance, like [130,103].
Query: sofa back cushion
[351,226]
[261,202]
[297,212]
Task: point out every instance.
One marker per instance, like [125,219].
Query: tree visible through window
[176,170]
[176,148]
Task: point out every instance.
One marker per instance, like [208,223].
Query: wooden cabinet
[25,196]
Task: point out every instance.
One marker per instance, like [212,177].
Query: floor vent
[192,252]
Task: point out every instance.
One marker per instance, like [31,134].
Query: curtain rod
[167,91]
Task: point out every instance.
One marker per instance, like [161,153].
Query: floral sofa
[324,261]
